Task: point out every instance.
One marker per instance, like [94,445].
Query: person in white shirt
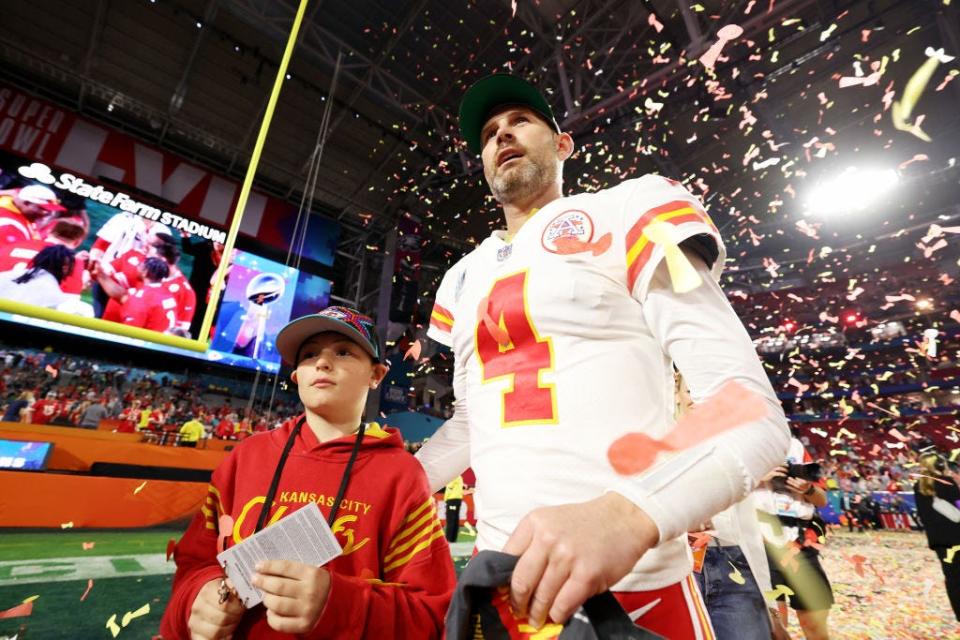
[565,328]
[39,283]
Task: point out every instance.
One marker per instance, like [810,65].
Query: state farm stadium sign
[73,146]
[78,186]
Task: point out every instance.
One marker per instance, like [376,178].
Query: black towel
[474,612]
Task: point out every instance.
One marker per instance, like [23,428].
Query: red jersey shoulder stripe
[441,318]
[638,246]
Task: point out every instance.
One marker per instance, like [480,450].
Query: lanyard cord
[344,481]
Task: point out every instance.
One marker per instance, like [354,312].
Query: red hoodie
[395,577]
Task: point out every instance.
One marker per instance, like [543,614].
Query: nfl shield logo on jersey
[573,224]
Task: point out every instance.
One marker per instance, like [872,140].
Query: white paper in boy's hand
[303,536]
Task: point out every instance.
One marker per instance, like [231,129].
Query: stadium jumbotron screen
[96,251]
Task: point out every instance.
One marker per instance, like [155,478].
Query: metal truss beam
[321,44]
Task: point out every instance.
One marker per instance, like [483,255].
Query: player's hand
[293,593]
[571,552]
[210,620]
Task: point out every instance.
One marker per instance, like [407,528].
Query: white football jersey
[554,358]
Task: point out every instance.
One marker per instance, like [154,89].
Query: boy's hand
[293,593]
[211,620]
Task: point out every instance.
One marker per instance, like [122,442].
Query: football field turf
[130,582]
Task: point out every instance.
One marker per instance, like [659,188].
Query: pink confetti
[568,245]
[87,592]
[653,22]
[724,35]
[955,315]
[730,407]
[899,436]
[413,351]
[225,529]
[19,611]
[917,158]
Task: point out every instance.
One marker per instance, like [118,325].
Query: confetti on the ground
[129,616]
[139,487]
[910,603]
[112,625]
[87,545]
[87,591]
[22,610]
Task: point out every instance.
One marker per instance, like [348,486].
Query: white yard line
[17,572]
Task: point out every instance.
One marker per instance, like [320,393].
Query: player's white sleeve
[709,345]
[447,453]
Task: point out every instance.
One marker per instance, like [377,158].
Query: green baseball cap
[494,91]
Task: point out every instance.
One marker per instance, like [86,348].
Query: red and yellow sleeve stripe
[211,508]
[441,318]
[639,247]
[417,532]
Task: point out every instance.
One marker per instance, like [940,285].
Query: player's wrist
[647,534]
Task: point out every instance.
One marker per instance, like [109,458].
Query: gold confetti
[682,274]
[112,626]
[735,575]
[903,109]
[140,488]
[780,590]
[952,551]
[131,615]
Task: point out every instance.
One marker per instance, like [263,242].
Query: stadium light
[853,190]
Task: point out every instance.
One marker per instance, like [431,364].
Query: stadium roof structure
[803,92]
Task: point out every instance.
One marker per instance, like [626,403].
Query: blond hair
[928,462]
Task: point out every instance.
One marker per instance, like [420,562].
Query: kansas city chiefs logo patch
[570,225]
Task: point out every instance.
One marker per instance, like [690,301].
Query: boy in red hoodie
[395,577]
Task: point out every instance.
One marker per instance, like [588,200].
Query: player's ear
[293,376]
[565,146]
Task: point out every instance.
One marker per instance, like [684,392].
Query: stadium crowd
[40,388]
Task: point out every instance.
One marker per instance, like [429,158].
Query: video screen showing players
[70,244]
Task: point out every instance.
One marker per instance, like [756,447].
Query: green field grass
[68,543]
[58,611]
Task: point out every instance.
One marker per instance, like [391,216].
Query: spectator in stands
[21,409]
[381,586]
[94,413]
[224,429]
[453,497]
[191,432]
[937,493]
[40,284]
[46,409]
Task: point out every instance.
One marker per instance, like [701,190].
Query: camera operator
[787,500]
